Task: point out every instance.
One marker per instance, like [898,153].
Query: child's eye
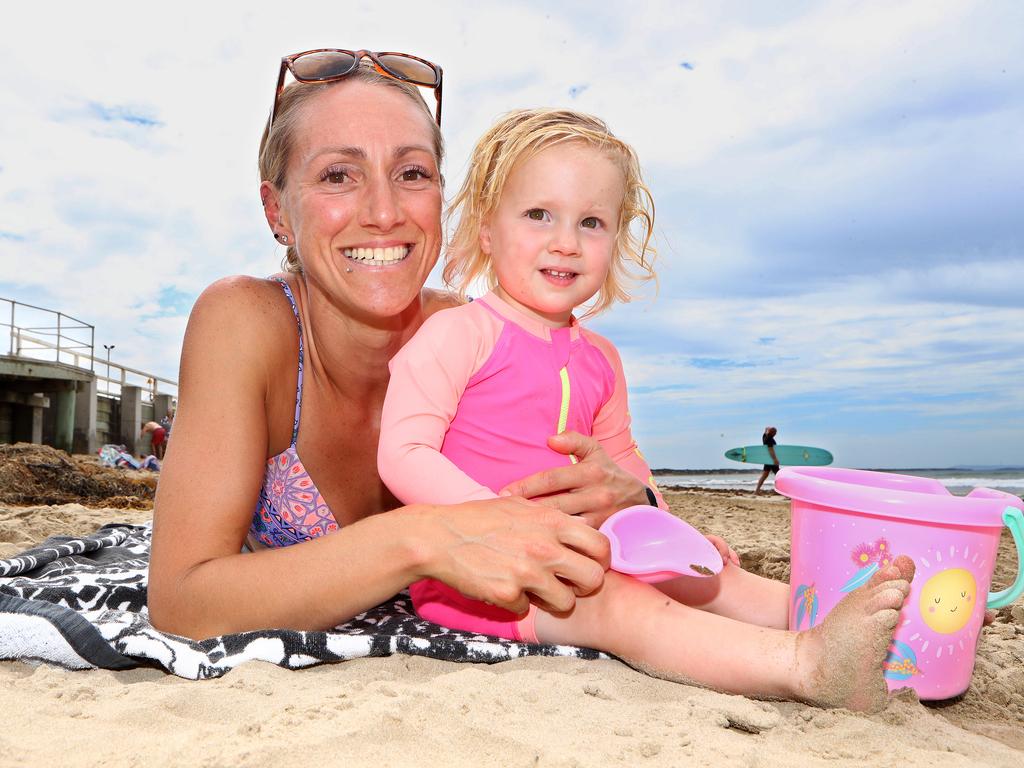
[938,599]
[537,214]
[591,222]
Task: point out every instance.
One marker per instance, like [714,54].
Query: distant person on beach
[112,455]
[158,436]
[167,422]
[281,388]
[768,439]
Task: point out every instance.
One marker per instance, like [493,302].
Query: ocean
[959,480]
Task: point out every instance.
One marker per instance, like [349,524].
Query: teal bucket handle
[1013,519]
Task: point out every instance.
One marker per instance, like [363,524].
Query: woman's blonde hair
[276,149]
[518,136]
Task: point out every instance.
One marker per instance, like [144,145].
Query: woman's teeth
[376,256]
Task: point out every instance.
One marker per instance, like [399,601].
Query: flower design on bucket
[863,555]
[868,557]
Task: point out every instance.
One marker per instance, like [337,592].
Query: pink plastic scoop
[652,545]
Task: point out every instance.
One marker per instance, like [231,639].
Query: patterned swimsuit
[290,508]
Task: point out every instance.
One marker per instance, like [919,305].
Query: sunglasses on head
[324,65]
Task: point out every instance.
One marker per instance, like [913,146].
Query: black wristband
[651,498]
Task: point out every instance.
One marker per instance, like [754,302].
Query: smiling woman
[372,197]
[282,382]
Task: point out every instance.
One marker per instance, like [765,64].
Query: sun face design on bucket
[947,600]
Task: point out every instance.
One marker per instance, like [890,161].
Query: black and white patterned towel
[81,603]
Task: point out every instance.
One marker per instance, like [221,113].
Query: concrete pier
[162,404]
[29,389]
[131,417]
[50,390]
[64,431]
[23,416]
[86,439]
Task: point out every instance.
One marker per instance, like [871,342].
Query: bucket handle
[1013,518]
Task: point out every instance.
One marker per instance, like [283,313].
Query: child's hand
[728,553]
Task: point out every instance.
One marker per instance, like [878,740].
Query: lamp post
[108,347]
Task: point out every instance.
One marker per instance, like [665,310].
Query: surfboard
[793,455]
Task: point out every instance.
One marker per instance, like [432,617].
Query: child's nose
[565,241]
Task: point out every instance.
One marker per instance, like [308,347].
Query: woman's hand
[593,489]
[510,552]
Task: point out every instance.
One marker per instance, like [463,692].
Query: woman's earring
[283,239]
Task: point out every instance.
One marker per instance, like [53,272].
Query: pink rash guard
[473,397]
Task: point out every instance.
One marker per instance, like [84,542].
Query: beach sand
[530,712]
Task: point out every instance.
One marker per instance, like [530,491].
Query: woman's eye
[591,222]
[536,214]
[334,176]
[415,174]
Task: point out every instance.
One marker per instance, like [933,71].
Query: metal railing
[44,334]
[53,341]
[123,375]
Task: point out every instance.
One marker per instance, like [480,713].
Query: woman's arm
[202,585]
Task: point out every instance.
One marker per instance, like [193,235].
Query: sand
[529,712]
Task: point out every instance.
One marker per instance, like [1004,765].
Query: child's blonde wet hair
[515,138]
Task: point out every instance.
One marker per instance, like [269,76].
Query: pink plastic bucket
[846,523]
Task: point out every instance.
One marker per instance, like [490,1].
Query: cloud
[837,188]
[121,114]
[718,363]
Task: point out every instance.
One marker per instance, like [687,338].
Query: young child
[546,215]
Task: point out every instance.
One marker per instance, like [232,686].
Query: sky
[839,191]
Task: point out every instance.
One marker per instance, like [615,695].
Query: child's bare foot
[840,661]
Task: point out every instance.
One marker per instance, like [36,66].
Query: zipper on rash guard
[563,411]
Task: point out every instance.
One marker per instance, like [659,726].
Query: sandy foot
[845,653]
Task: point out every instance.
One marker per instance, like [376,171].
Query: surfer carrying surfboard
[768,440]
